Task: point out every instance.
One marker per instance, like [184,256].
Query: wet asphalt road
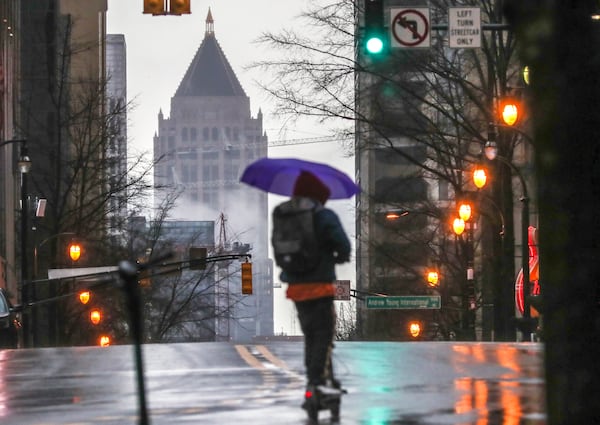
[221,383]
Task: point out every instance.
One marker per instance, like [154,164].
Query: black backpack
[294,240]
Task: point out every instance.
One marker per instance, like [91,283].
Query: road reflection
[3,386]
[505,400]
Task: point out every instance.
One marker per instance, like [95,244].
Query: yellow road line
[249,358]
[271,357]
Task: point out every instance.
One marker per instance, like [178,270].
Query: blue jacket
[334,247]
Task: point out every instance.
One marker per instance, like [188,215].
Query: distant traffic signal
[375,37]
[154,7]
[179,7]
[247,278]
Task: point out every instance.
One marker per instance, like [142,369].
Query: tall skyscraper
[201,151]
[116,108]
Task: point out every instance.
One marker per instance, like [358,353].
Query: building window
[184,134]
[400,189]
[215,133]
[193,134]
[444,190]
[205,133]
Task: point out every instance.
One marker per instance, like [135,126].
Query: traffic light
[155,7]
[375,37]
[179,7]
[247,278]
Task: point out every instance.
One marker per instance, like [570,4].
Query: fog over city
[159,51]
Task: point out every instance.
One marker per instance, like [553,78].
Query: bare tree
[442,99]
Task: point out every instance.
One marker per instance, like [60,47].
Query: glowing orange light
[394,215]
[74,251]
[415,329]
[95,316]
[479,177]
[104,341]
[433,278]
[509,111]
[458,226]
[464,212]
[84,297]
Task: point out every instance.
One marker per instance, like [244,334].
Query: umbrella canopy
[278,175]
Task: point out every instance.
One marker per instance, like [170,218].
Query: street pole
[24,266]
[526,321]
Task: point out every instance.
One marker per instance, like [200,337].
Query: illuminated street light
[95,316]
[433,278]
[74,251]
[458,226]
[479,177]
[509,111]
[415,329]
[464,211]
[84,297]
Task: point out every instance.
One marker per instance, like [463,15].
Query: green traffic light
[374,45]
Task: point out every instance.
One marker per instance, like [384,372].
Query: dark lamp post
[491,153]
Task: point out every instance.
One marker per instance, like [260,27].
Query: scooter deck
[315,401]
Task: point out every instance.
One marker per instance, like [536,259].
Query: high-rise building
[116,108]
[9,177]
[201,151]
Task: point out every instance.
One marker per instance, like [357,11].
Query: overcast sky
[159,51]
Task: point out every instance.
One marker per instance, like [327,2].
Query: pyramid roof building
[210,73]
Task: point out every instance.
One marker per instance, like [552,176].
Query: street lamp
[491,153]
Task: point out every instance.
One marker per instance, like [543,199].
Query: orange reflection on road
[494,399]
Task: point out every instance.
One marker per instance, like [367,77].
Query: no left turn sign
[410,27]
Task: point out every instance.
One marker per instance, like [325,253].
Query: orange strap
[310,291]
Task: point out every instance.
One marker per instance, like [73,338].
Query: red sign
[534,274]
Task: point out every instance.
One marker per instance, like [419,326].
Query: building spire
[210,24]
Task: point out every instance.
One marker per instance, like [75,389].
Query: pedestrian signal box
[247,278]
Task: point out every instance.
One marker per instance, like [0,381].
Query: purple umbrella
[278,175]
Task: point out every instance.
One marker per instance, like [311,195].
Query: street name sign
[415,302]
[410,27]
[464,27]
